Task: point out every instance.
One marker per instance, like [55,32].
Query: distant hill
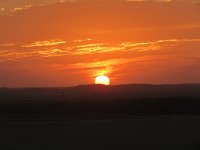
[100,99]
[97,92]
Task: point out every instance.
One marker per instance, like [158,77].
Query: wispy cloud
[97,68]
[7,44]
[56,48]
[129,46]
[45,43]
[21,8]
[16,6]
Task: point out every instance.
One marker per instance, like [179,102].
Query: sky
[48,43]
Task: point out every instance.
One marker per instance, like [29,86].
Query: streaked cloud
[97,68]
[21,8]
[10,6]
[59,48]
[130,46]
[45,43]
[7,44]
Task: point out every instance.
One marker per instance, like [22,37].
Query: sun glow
[104,80]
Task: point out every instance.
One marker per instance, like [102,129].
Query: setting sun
[102,80]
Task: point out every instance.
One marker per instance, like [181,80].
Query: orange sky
[66,43]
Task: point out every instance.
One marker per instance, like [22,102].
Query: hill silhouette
[100,99]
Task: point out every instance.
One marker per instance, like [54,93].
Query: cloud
[21,8]
[10,6]
[59,48]
[44,43]
[97,68]
[7,45]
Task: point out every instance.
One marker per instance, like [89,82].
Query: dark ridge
[101,99]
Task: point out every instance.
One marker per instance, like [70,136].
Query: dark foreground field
[141,133]
[136,117]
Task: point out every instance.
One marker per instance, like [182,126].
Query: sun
[102,80]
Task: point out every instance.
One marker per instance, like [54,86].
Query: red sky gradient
[66,43]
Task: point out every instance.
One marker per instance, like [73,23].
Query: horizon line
[73,86]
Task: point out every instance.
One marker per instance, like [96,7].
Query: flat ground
[157,133]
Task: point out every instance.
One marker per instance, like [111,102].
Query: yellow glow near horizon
[104,80]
